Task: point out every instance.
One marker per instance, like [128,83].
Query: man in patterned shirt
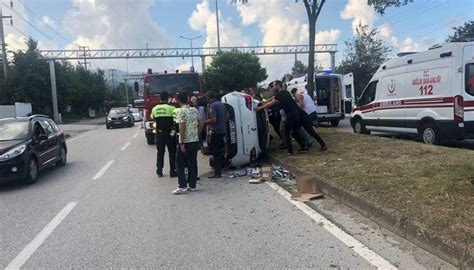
[190,126]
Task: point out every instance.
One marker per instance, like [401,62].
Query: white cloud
[13,38]
[284,23]
[204,20]
[49,22]
[358,11]
[114,24]
[184,67]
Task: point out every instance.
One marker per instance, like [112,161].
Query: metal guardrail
[88,54]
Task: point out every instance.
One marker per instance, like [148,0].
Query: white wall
[22,109]
[7,111]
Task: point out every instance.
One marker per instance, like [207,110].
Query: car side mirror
[43,137]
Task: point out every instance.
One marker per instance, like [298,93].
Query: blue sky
[128,23]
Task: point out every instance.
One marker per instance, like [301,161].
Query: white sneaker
[191,189]
[179,191]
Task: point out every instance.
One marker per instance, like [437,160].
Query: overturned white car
[248,133]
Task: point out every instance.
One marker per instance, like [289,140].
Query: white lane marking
[359,248]
[136,135]
[26,253]
[103,170]
[80,136]
[125,146]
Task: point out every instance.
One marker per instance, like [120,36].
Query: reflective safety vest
[164,115]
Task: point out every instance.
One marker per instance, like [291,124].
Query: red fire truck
[173,83]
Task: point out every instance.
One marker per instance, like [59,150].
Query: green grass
[428,184]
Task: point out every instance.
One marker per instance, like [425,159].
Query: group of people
[298,113]
[179,129]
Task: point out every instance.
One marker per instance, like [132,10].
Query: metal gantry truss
[86,54]
[80,54]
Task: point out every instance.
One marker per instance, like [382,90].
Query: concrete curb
[410,230]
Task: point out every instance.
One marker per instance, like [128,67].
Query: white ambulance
[330,98]
[429,93]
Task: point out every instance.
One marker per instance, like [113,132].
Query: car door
[367,105]
[39,147]
[52,143]
[349,95]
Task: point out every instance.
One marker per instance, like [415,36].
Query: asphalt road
[107,209]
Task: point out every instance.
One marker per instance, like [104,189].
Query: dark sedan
[119,117]
[27,145]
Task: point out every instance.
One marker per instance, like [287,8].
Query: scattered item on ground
[306,189]
[238,173]
[279,173]
[267,173]
[255,181]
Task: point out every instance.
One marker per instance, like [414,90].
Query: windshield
[13,131]
[173,84]
[118,111]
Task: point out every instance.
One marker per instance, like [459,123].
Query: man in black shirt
[284,99]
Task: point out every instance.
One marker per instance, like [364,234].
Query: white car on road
[137,115]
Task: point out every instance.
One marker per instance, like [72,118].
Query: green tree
[363,56]
[230,71]
[313,9]
[29,81]
[299,69]
[462,33]
[381,5]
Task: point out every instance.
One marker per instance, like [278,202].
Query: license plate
[232,131]
[117,123]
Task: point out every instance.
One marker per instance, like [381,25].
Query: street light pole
[192,54]
[217,21]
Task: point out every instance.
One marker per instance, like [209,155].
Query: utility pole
[126,89]
[113,75]
[192,53]
[84,54]
[217,20]
[4,49]
[54,93]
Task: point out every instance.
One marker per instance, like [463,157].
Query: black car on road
[119,117]
[27,145]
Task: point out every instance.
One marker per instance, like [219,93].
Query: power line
[45,24]
[19,31]
[33,26]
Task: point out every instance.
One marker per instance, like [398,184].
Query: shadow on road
[46,176]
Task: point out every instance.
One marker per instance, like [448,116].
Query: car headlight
[108,118]
[125,118]
[13,152]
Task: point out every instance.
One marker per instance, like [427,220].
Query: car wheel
[62,157]
[334,123]
[359,127]
[107,126]
[429,134]
[32,172]
[150,139]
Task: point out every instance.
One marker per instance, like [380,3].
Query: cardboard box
[267,172]
[306,189]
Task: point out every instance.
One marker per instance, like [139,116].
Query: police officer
[163,114]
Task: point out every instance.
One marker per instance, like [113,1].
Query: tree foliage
[462,33]
[299,69]
[363,56]
[381,5]
[230,71]
[29,81]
